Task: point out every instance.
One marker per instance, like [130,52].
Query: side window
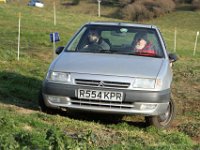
[153,38]
[162,39]
[74,44]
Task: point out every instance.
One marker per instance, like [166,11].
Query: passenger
[142,46]
[95,39]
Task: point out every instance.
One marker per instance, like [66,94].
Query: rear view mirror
[115,33]
[172,57]
[59,49]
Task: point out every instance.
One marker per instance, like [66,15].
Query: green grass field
[22,126]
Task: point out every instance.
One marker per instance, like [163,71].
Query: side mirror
[59,50]
[172,57]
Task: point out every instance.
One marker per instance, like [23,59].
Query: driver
[94,39]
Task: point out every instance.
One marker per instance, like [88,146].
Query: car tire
[163,121]
[42,105]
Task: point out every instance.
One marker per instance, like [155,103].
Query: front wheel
[163,121]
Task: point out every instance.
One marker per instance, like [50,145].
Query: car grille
[102,104]
[102,83]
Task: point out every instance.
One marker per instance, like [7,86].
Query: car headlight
[59,76]
[144,83]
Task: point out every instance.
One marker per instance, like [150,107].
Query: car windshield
[117,40]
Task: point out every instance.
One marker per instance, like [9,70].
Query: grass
[34,130]
[22,126]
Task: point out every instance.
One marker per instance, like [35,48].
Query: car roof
[122,24]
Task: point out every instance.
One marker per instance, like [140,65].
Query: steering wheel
[95,47]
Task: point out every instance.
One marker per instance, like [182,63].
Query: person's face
[93,37]
[142,42]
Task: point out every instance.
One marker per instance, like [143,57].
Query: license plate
[100,95]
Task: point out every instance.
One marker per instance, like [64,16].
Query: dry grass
[196,5]
[146,9]
[18,110]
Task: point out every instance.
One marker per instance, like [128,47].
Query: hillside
[23,126]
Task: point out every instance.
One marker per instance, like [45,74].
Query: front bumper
[134,102]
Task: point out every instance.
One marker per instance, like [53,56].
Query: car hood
[108,64]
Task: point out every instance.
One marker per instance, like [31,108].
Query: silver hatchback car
[113,68]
